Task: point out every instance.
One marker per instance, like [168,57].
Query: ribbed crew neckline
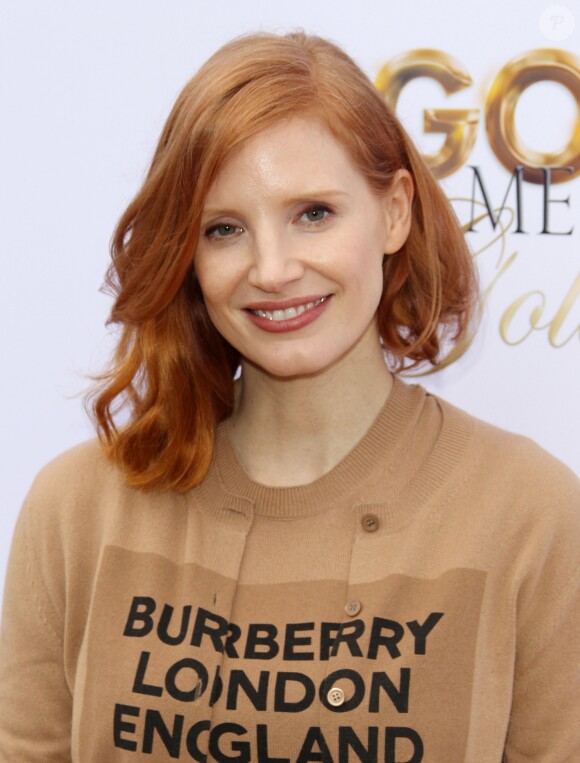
[377,448]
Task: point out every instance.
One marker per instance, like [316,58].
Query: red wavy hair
[171,368]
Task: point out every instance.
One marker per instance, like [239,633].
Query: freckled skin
[289,216]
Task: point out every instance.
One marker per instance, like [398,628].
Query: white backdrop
[85,90]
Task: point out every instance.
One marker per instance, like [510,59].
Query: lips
[287,315]
[290,312]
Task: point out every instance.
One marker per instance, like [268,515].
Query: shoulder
[71,496]
[525,507]
[56,542]
[511,463]
[80,501]
[518,495]
[80,468]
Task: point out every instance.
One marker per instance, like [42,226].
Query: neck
[291,431]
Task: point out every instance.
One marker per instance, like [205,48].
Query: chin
[292,368]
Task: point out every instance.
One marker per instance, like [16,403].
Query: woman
[316,562]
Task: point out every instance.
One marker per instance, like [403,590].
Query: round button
[370,523]
[353,607]
[335,696]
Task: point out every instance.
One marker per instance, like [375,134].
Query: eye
[222,230]
[315,214]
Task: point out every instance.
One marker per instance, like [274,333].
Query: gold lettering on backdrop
[511,312]
[529,312]
[554,325]
[458,125]
[534,301]
[536,66]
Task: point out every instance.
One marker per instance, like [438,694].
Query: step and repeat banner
[490,92]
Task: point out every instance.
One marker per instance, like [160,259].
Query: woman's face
[290,253]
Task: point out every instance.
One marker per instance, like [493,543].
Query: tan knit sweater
[417,603]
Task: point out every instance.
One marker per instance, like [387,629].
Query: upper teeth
[289,312]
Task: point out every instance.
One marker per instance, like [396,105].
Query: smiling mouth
[289,312]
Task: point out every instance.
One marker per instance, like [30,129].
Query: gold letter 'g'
[459,125]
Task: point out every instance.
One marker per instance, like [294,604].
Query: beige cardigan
[417,603]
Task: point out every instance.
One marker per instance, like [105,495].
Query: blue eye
[222,230]
[315,214]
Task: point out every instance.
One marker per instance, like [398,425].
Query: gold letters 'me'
[521,72]
[459,125]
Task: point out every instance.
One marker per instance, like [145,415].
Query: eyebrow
[303,197]
[316,194]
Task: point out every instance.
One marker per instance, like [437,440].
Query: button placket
[336,696]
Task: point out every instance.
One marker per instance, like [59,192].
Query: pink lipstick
[289,314]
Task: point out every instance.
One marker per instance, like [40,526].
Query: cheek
[215,306]
[211,281]
[367,271]
[210,291]
[220,275]
[218,291]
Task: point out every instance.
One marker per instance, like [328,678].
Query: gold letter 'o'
[521,72]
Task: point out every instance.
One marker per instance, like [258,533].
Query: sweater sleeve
[35,700]
[545,720]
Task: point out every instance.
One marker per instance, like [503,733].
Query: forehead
[287,158]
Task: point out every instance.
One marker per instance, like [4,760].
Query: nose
[275,263]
